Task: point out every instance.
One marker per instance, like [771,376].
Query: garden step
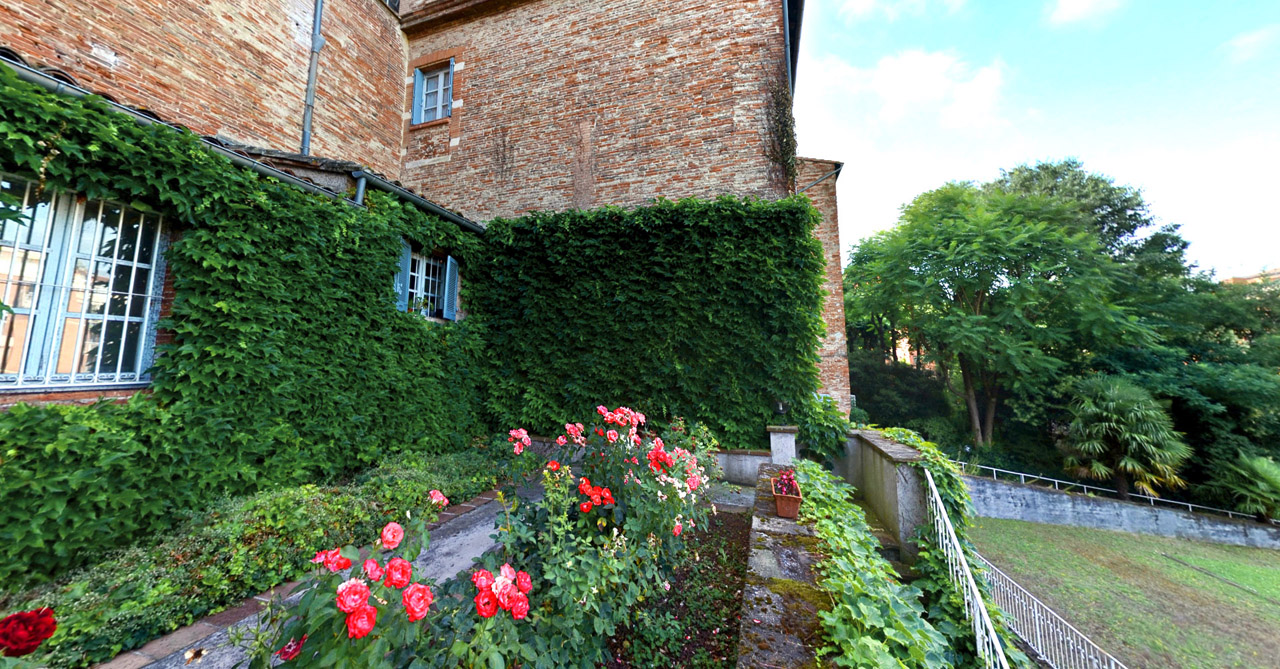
[461,535]
[890,549]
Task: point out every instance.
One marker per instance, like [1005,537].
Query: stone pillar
[782,443]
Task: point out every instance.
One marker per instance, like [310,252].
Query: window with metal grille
[433,93]
[425,275]
[83,279]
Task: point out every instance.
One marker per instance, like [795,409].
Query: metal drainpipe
[361,182]
[826,176]
[317,43]
[786,39]
[422,203]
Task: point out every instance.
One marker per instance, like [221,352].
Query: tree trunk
[1121,483]
[971,401]
[989,421]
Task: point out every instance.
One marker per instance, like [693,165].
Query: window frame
[442,75]
[68,270]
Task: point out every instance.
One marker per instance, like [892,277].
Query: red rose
[507,595]
[417,599]
[553,466]
[373,570]
[524,582]
[399,572]
[392,535]
[607,496]
[290,650]
[585,507]
[519,606]
[23,632]
[352,596]
[677,529]
[584,486]
[334,562]
[486,603]
[483,579]
[361,622]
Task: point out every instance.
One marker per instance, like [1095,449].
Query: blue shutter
[417,96]
[448,104]
[451,289]
[402,277]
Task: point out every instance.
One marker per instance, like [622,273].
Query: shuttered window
[427,284]
[433,93]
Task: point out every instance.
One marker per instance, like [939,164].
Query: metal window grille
[425,284]
[435,93]
[84,280]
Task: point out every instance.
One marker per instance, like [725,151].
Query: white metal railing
[1072,485]
[984,633]
[1056,640]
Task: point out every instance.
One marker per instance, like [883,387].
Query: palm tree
[1119,432]
[1254,482]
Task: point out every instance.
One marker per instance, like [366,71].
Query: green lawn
[1142,607]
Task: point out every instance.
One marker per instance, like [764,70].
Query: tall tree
[994,284]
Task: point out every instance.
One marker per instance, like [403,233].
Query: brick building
[487,107]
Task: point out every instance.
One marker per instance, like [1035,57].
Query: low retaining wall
[1016,501]
[887,480]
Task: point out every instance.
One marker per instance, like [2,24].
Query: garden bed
[696,623]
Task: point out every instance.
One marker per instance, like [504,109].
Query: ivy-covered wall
[706,309]
[289,360]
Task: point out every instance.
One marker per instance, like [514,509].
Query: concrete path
[462,536]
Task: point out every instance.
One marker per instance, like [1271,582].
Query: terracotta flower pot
[788,506]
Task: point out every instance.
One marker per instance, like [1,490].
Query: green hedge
[709,310]
[290,362]
[234,549]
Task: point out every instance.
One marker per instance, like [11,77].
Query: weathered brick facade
[236,68]
[833,369]
[564,104]
[557,104]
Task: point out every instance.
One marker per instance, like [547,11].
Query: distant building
[1261,277]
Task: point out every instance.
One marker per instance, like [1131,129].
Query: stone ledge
[887,447]
[782,429]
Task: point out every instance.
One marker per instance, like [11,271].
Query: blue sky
[1178,98]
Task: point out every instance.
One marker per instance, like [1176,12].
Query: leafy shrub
[893,393]
[875,620]
[234,549]
[718,301]
[823,430]
[1253,483]
[604,537]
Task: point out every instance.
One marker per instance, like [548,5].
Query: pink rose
[373,570]
[361,621]
[561,441]
[519,607]
[601,410]
[334,562]
[290,650]
[677,529]
[611,435]
[506,595]
[392,535]
[483,579]
[507,572]
[352,596]
[519,448]
[399,572]
[439,499]
[524,582]
[417,599]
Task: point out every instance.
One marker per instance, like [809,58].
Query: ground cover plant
[237,548]
[571,567]
[1125,592]
[694,623]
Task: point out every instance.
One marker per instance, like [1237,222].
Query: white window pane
[433,83]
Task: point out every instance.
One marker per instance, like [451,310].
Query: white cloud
[1073,11]
[1249,45]
[852,10]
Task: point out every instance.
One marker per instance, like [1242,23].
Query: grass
[1148,610]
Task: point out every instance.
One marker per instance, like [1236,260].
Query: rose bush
[605,535]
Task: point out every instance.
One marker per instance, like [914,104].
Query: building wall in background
[833,366]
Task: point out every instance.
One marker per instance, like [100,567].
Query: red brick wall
[833,368]
[579,104]
[237,68]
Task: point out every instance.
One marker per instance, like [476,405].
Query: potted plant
[786,493]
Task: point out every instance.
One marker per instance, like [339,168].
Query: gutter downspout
[381,184]
[317,43]
[786,39]
[828,175]
[33,76]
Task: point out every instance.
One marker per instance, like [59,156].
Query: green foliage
[589,567]
[236,548]
[289,362]
[823,429]
[875,620]
[715,304]
[1119,432]
[894,393]
[1253,482]
[1004,287]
